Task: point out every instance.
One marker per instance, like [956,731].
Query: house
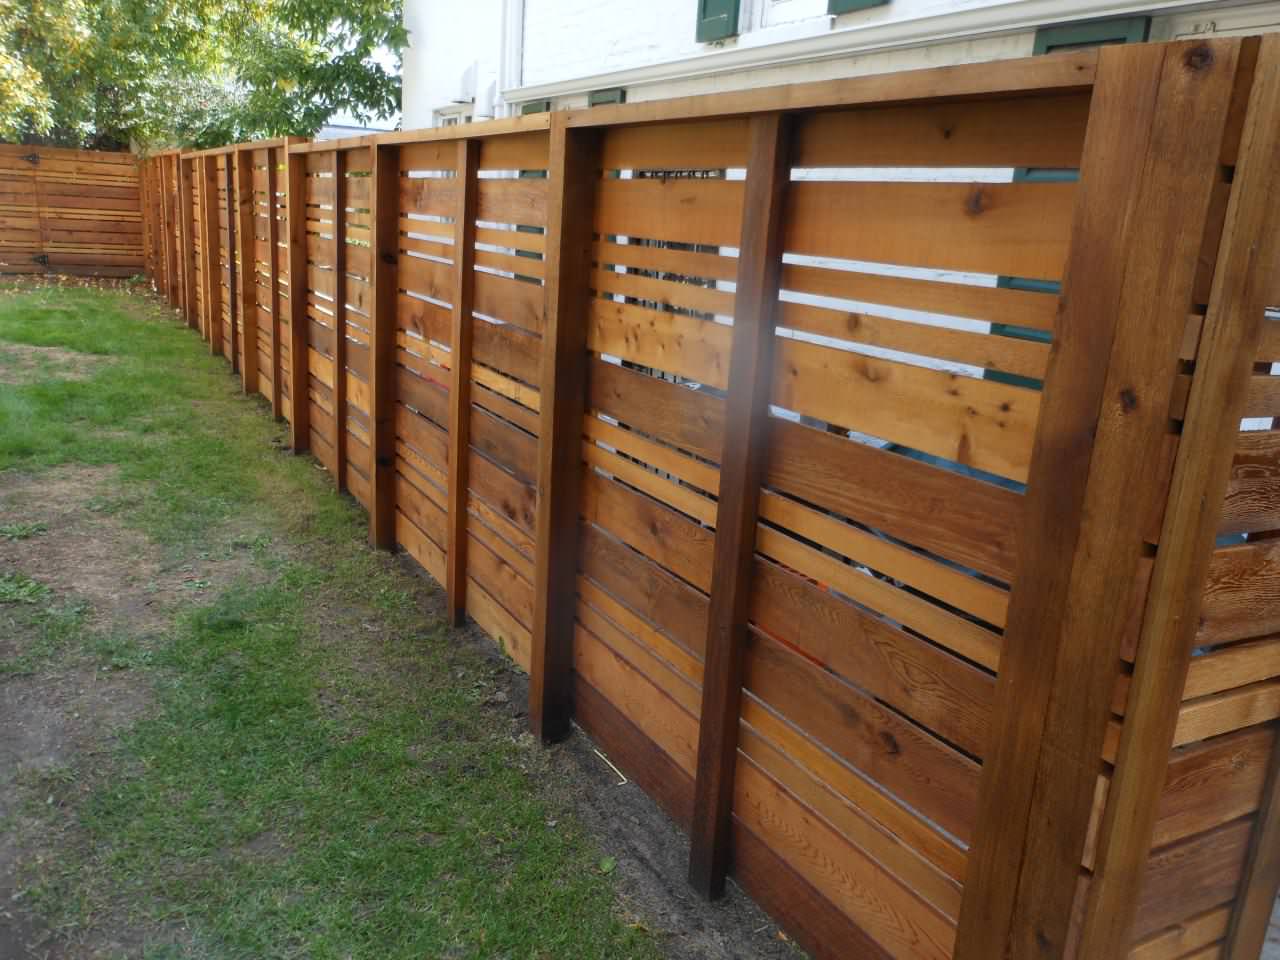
[495,58]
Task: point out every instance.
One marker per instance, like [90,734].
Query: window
[598,98]
[848,6]
[717,20]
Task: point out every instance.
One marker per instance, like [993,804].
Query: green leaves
[155,73]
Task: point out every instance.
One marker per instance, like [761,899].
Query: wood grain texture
[462,323]
[1261,881]
[385,234]
[1201,473]
[299,370]
[573,175]
[742,467]
[186,222]
[247,292]
[1132,264]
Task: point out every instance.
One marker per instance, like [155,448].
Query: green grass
[317,775]
[21,531]
[19,588]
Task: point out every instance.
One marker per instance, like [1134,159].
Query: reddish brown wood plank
[743,460]
[384,191]
[1201,472]
[1145,186]
[467,155]
[573,175]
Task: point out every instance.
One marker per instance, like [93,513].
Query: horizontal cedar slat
[924,772]
[1190,877]
[1019,229]
[684,211]
[979,423]
[1242,596]
[1253,493]
[1212,782]
[935,690]
[963,519]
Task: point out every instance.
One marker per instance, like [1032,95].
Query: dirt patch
[62,712]
[22,364]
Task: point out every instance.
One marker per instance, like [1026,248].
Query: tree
[115,73]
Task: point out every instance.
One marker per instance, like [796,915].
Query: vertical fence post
[148,224]
[384,203]
[464,243]
[573,173]
[187,236]
[1103,420]
[273,273]
[246,235]
[209,246]
[299,361]
[741,469]
[1202,469]
[233,272]
[168,196]
[340,319]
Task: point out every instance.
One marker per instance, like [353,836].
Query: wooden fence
[936,592]
[69,211]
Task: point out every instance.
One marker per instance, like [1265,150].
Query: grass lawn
[309,764]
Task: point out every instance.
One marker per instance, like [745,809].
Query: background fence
[860,463]
[69,211]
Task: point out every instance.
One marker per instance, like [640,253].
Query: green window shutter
[1071,36]
[717,19]
[1095,33]
[848,6]
[535,106]
[598,98]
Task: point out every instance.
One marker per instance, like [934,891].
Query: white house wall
[561,49]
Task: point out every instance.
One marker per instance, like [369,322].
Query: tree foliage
[114,73]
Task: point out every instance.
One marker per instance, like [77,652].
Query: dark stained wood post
[464,253]
[273,273]
[1103,421]
[574,173]
[340,318]
[299,361]
[1228,345]
[233,273]
[211,273]
[384,201]
[742,464]
[247,244]
[186,226]
[169,190]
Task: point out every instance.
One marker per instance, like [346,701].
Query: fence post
[464,254]
[168,192]
[746,434]
[247,244]
[1206,449]
[299,361]
[233,272]
[1103,420]
[186,224]
[384,202]
[273,272]
[340,319]
[209,245]
[573,173]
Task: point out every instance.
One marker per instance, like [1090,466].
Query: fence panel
[838,455]
[70,211]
